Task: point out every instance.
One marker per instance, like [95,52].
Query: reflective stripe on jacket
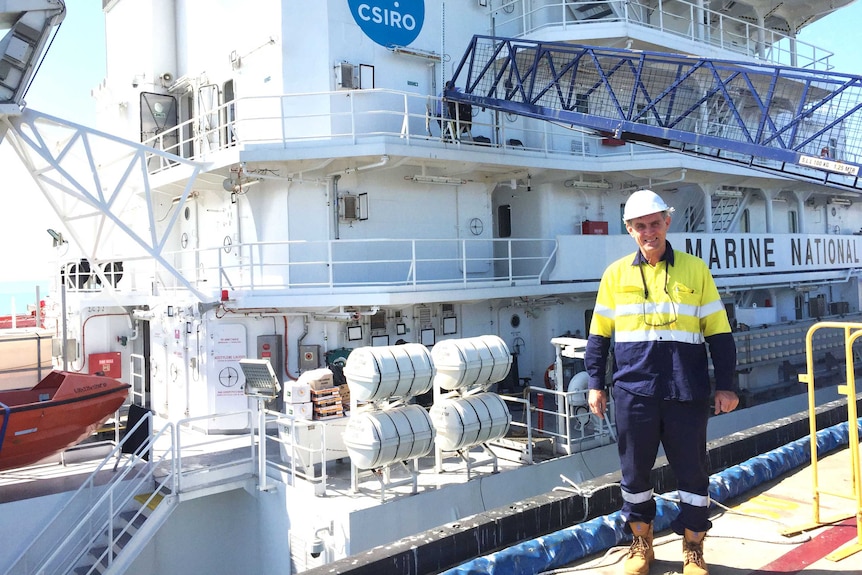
[661,317]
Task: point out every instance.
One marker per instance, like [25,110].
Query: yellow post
[852,332]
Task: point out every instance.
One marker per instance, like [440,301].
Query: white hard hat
[644,203]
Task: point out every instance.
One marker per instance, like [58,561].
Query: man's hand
[598,402]
[725,401]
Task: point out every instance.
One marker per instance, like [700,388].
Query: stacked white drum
[379,373]
[388,431]
[469,415]
[377,438]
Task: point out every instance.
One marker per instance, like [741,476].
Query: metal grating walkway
[798,123]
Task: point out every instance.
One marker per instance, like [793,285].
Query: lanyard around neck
[643,280]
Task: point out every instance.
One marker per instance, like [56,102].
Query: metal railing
[88,521]
[364,116]
[301,448]
[520,18]
[379,264]
[565,417]
[851,490]
[358,265]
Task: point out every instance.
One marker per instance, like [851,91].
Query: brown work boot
[692,553]
[640,552]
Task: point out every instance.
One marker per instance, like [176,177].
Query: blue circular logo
[389,22]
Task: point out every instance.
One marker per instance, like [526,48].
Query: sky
[75,64]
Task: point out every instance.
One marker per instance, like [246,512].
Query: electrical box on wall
[353,207]
[345,76]
[111,364]
[270,347]
[309,357]
[71,349]
[594,228]
[348,208]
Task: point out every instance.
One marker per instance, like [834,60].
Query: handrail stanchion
[261,446]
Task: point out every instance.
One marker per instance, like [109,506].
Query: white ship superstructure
[296,188]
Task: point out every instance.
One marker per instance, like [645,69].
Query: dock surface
[748,538]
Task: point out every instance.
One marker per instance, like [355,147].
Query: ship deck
[750,536]
[737,545]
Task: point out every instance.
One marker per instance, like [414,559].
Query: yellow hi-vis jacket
[661,319]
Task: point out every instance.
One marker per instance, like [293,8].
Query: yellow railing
[852,332]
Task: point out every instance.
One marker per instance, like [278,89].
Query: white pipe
[344,315]
[383,161]
[681,178]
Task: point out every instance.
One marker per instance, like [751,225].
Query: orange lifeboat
[60,411]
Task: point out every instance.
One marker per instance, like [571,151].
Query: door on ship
[141,372]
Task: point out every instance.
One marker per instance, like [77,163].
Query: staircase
[112,517]
[724,210]
[24,45]
[132,528]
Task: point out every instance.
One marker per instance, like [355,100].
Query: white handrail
[89,515]
[674,17]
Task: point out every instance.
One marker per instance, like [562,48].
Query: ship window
[504,221]
[746,221]
[792,222]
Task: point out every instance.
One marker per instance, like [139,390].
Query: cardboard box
[296,392]
[329,392]
[326,412]
[317,378]
[299,410]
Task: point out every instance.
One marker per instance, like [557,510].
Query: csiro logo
[389,22]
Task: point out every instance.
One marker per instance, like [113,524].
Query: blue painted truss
[793,122]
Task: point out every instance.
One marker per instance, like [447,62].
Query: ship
[297,230]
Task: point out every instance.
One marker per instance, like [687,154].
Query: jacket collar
[666,257]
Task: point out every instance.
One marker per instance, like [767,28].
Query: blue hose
[574,543]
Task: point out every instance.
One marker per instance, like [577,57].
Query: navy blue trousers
[680,427]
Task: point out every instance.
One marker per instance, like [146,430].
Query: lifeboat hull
[61,411]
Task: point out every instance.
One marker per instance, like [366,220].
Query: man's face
[650,232]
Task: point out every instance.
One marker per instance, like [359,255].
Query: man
[664,310]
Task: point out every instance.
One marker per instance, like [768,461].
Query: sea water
[23,293]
